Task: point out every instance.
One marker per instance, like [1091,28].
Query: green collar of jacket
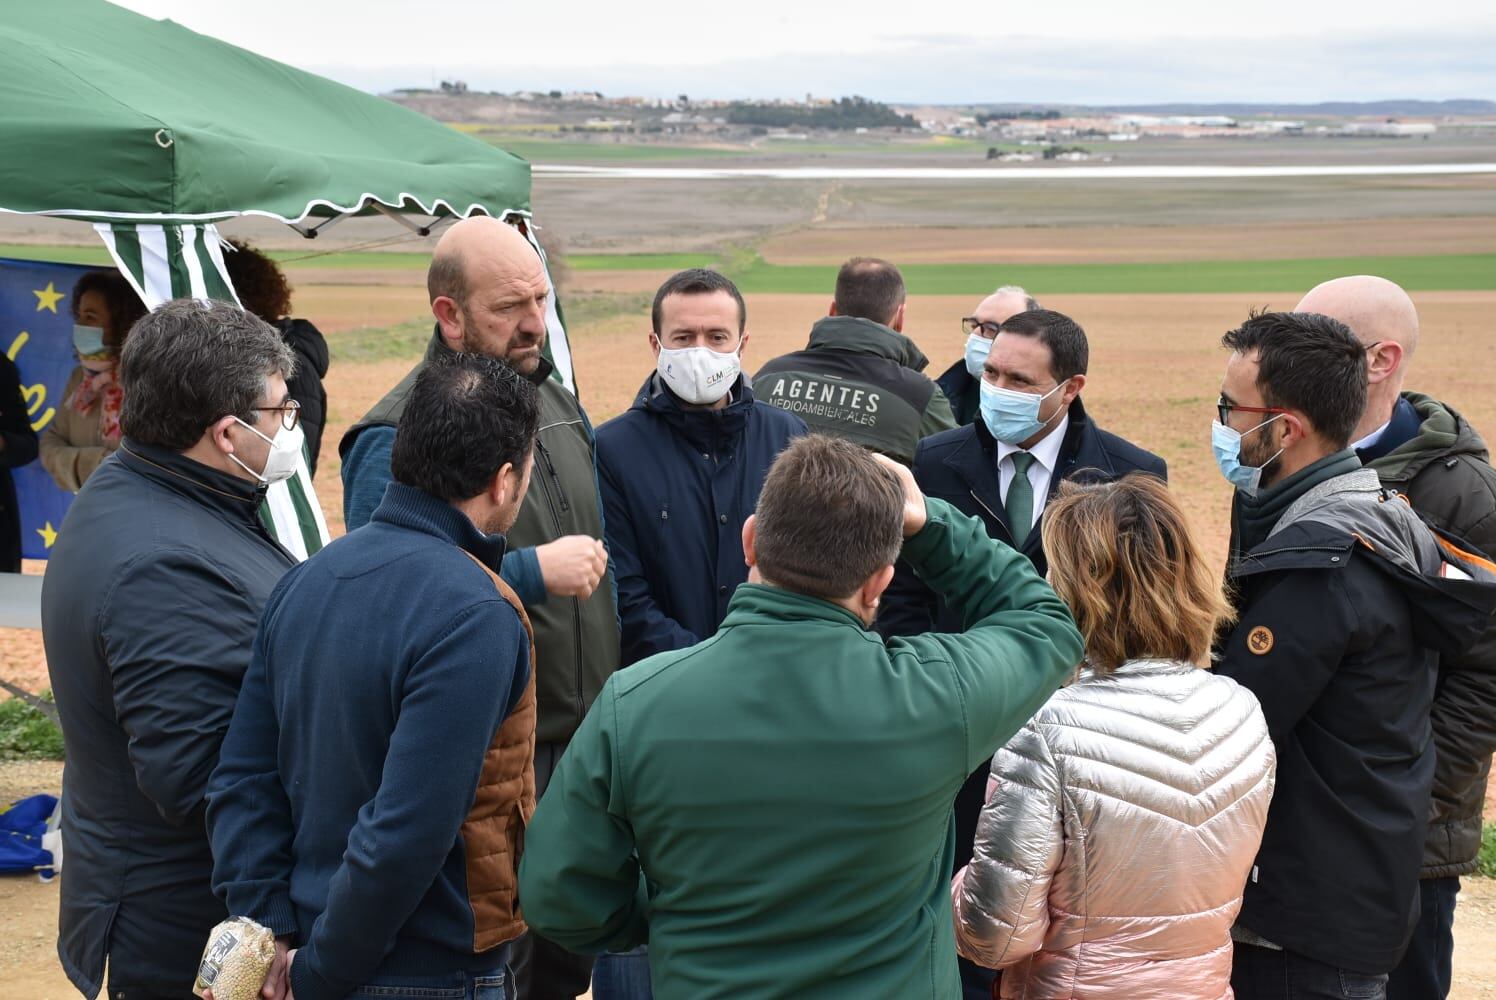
[762,604]
[1442,433]
[863,336]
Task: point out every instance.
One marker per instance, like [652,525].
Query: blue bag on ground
[22,828]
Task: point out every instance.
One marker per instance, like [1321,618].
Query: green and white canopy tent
[154,134]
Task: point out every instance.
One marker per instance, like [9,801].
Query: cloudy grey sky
[939,51]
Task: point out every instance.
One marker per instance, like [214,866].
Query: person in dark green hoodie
[771,808]
[859,377]
[1430,454]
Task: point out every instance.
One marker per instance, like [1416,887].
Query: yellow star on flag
[48,533]
[46,298]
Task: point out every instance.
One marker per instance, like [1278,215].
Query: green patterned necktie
[1020,501]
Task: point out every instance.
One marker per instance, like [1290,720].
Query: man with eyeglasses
[1343,608]
[1423,448]
[153,593]
[962,381]
[1032,433]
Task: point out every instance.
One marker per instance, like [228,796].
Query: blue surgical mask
[977,349]
[1013,417]
[88,341]
[1226,443]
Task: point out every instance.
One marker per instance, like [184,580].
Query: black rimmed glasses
[971,325]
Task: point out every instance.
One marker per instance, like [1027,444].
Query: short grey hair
[1029,302]
[188,363]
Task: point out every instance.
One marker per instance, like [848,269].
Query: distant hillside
[1328,109]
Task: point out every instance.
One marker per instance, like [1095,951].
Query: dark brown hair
[869,288]
[1122,556]
[828,518]
[124,305]
[258,281]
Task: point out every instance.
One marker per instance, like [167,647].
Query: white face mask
[285,454]
[699,375]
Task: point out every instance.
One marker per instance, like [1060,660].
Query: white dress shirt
[1046,456]
[1373,437]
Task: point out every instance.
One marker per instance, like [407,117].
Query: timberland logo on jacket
[1260,640]
[829,399]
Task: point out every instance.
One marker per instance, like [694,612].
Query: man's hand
[572,566]
[277,980]
[278,983]
[914,501]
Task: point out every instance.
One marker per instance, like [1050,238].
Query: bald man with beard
[489,291]
[1426,451]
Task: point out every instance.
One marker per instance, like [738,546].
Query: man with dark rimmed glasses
[153,593]
[1342,615]
[962,381]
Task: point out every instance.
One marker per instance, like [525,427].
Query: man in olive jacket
[1426,451]
[771,808]
[860,377]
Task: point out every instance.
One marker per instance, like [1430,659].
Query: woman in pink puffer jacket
[1122,821]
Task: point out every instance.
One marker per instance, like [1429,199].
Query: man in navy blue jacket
[368,802]
[1031,434]
[681,470]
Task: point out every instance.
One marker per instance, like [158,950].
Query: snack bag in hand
[236,960]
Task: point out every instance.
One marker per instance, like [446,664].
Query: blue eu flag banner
[36,330]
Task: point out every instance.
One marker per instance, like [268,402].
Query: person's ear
[831,310]
[1295,429]
[503,485]
[897,323]
[750,535]
[873,586]
[218,433]
[1383,361]
[742,344]
[654,344]
[449,317]
[1077,383]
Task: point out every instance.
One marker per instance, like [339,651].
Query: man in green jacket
[1430,454]
[771,808]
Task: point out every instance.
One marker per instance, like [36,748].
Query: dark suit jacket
[960,467]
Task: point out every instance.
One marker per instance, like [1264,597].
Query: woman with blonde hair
[1122,821]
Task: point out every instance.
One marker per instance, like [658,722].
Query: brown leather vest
[493,835]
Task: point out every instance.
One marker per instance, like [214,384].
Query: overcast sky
[939,51]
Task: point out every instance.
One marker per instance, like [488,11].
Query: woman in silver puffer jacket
[1122,821]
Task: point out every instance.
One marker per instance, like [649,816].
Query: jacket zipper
[1000,522]
[576,604]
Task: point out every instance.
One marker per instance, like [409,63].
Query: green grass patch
[1487,858]
[638,261]
[57,255]
[27,734]
[379,343]
[1449,272]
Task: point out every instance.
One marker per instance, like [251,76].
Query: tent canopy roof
[110,115]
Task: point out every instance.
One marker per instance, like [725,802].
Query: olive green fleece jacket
[771,808]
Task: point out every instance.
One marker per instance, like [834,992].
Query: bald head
[1376,310]
[1003,304]
[488,291]
[1385,321]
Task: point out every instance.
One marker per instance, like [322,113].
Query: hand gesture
[914,500]
[572,566]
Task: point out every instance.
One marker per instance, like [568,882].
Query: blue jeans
[495,985]
[1426,971]
[622,975]
[1265,974]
